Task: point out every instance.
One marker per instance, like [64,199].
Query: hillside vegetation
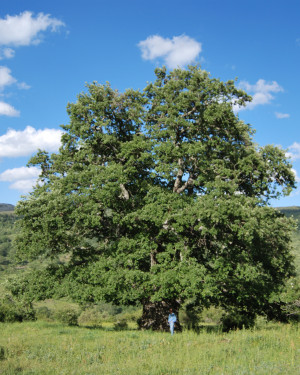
[7,233]
[6,207]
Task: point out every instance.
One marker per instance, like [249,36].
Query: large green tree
[160,197]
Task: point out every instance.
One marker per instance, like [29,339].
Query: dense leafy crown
[160,194]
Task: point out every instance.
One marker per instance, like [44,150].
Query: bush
[43,313]
[212,315]
[237,320]
[190,314]
[2,353]
[90,317]
[15,311]
[67,316]
[121,325]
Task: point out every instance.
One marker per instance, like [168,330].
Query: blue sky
[50,49]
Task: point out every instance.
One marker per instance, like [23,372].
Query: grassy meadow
[50,348]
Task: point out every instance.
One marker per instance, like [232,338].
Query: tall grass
[50,348]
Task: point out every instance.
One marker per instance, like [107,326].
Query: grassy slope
[50,349]
[6,207]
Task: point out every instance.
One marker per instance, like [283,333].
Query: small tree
[160,197]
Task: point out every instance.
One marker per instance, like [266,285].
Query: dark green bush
[237,320]
[15,311]
[90,317]
[2,353]
[120,325]
[43,313]
[67,316]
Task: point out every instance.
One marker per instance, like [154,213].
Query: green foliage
[43,313]
[236,320]
[67,316]
[15,311]
[2,353]
[159,195]
[7,234]
[90,317]
[121,325]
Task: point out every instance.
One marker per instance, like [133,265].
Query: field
[45,348]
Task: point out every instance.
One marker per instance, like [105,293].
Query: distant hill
[6,207]
[293,211]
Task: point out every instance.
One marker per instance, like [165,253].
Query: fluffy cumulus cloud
[294,151]
[6,78]
[8,110]
[25,29]
[178,51]
[262,93]
[6,53]
[282,115]
[23,143]
[22,179]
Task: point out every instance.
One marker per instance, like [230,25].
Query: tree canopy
[160,196]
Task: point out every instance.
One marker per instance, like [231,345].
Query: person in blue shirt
[171,320]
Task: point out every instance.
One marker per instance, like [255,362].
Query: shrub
[212,315]
[43,313]
[90,317]
[237,320]
[190,314]
[120,325]
[2,353]
[67,316]
[15,311]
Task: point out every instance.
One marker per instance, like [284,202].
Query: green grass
[48,348]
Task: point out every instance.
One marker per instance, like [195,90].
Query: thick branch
[178,177]
[189,182]
[188,113]
[124,194]
[153,258]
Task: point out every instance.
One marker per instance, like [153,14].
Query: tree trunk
[155,315]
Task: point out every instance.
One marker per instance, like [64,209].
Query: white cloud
[25,29]
[282,115]
[262,92]
[23,86]
[178,51]
[23,178]
[20,30]
[294,151]
[22,173]
[8,110]
[6,78]
[6,53]
[297,178]
[24,186]
[22,143]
